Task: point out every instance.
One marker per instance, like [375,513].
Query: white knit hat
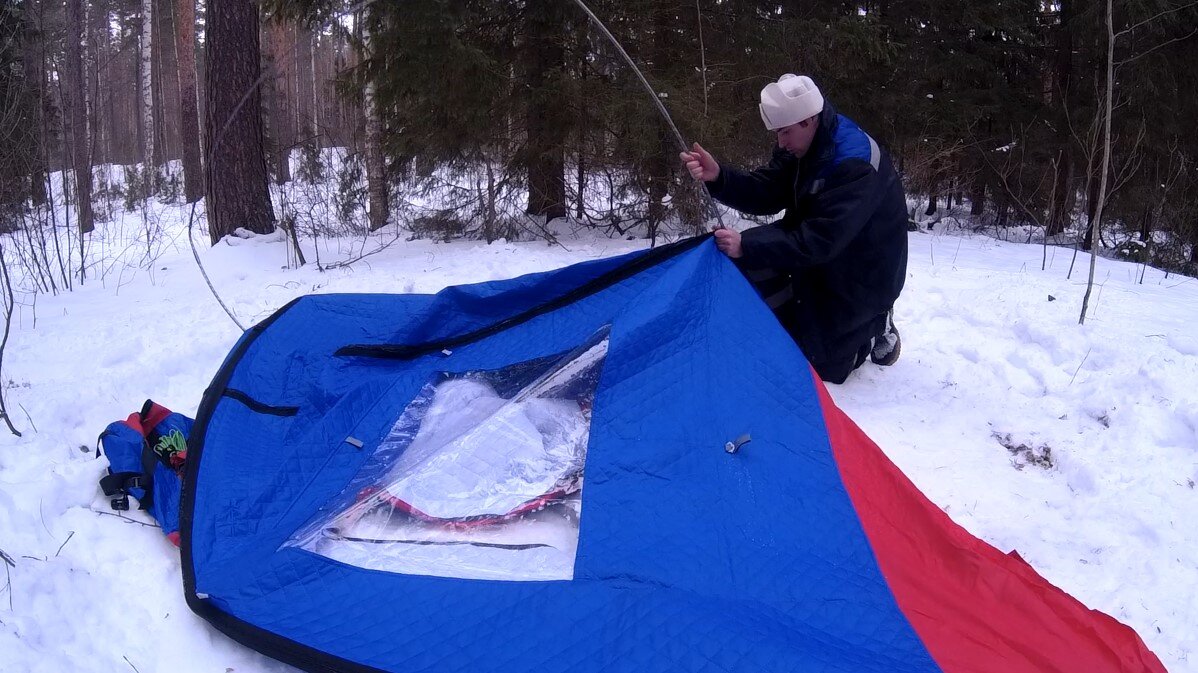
[790,100]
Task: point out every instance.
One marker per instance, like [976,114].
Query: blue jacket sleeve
[763,191]
[840,212]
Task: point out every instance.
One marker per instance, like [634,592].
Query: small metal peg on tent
[734,445]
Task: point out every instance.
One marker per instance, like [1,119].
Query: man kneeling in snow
[833,266]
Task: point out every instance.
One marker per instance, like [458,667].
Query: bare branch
[1156,16]
[9,302]
[1002,174]
[64,543]
[1154,48]
[1131,165]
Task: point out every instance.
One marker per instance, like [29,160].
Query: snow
[1076,445]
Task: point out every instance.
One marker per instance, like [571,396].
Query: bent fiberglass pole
[652,94]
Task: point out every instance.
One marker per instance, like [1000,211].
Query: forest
[1068,121]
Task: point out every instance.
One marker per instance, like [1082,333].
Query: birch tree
[376,179]
[146,92]
[1107,112]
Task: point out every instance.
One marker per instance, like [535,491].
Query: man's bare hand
[728,241]
[700,163]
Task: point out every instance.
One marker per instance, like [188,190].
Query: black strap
[120,482]
[116,486]
[100,441]
[259,407]
[149,459]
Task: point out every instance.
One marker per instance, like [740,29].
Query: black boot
[887,345]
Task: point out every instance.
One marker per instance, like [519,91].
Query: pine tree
[189,122]
[235,172]
[546,125]
[18,129]
[75,106]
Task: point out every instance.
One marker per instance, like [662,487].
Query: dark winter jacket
[842,240]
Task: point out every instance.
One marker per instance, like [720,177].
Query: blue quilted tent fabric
[689,558]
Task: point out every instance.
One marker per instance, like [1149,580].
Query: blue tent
[693,551]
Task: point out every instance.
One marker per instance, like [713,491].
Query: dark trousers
[833,358]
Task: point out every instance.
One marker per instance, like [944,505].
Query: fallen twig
[124,518]
[8,577]
[27,417]
[64,543]
[1079,366]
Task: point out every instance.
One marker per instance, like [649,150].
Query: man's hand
[701,164]
[728,241]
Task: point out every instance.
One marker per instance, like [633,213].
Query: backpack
[147,454]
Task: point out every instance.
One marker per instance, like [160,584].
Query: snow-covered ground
[1076,445]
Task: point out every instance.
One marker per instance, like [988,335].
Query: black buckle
[121,503]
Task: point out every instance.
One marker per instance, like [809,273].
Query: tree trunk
[158,99]
[280,127]
[35,78]
[376,167]
[357,112]
[581,177]
[74,100]
[189,121]
[977,194]
[167,83]
[235,173]
[1004,210]
[97,16]
[657,166]
[48,136]
[1108,110]
[119,142]
[304,130]
[1059,210]
[583,121]
[1092,207]
[146,65]
[314,73]
[91,80]
[1062,202]
[546,129]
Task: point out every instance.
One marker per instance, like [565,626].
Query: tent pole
[656,99]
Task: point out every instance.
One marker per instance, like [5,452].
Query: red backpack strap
[134,421]
[151,415]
